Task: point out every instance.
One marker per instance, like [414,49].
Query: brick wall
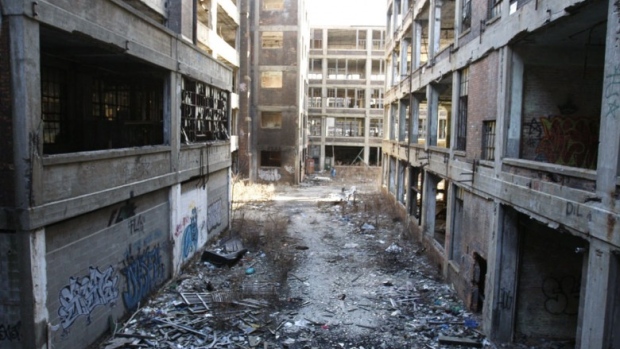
[103,264]
[482,101]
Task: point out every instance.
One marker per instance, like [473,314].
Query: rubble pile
[354,283]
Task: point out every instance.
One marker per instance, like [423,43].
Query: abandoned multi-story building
[272,136]
[502,148]
[345,95]
[115,130]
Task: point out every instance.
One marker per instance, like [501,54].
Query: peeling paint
[269,175]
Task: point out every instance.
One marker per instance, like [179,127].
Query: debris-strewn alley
[328,265]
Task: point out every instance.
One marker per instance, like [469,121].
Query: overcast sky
[346,12]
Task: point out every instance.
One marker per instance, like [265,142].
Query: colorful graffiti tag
[143,272]
[83,295]
[190,235]
[568,140]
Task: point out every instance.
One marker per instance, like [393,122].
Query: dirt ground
[324,268]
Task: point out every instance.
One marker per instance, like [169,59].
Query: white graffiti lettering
[83,295]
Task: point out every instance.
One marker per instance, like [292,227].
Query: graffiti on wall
[190,235]
[269,175]
[561,295]
[10,332]
[84,294]
[143,271]
[612,96]
[214,215]
[563,140]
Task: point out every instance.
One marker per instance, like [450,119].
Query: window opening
[204,112]
[272,39]
[465,15]
[270,158]
[271,79]
[461,132]
[488,140]
[271,119]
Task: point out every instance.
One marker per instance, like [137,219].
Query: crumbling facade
[274,68]
[346,75]
[117,133]
[501,145]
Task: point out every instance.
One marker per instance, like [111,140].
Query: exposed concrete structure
[117,144]
[345,95]
[503,149]
[274,65]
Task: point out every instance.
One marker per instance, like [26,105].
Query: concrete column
[402,124]
[174,199]
[594,301]
[515,94]
[172,117]
[456,84]
[432,115]
[213,19]
[404,48]
[417,44]
[503,106]
[609,143]
[434,33]
[414,119]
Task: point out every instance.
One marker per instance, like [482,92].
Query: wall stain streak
[83,295]
[143,273]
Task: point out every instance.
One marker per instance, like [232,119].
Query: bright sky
[346,12]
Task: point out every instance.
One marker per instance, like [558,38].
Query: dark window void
[94,97]
[478,280]
[270,158]
[204,112]
[85,112]
[345,156]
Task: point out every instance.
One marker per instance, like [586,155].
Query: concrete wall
[549,282]
[6,122]
[104,264]
[10,291]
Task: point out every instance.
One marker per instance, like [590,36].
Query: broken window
[270,158]
[461,123]
[376,128]
[123,112]
[488,140]
[270,5]
[272,39]
[346,127]
[315,127]
[314,94]
[465,15]
[495,7]
[204,111]
[316,69]
[271,79]
[316,38]
[376,98]
[271,119]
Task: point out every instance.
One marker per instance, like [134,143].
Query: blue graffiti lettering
[214,215]
[83,295]
[143,273]
[190,235]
